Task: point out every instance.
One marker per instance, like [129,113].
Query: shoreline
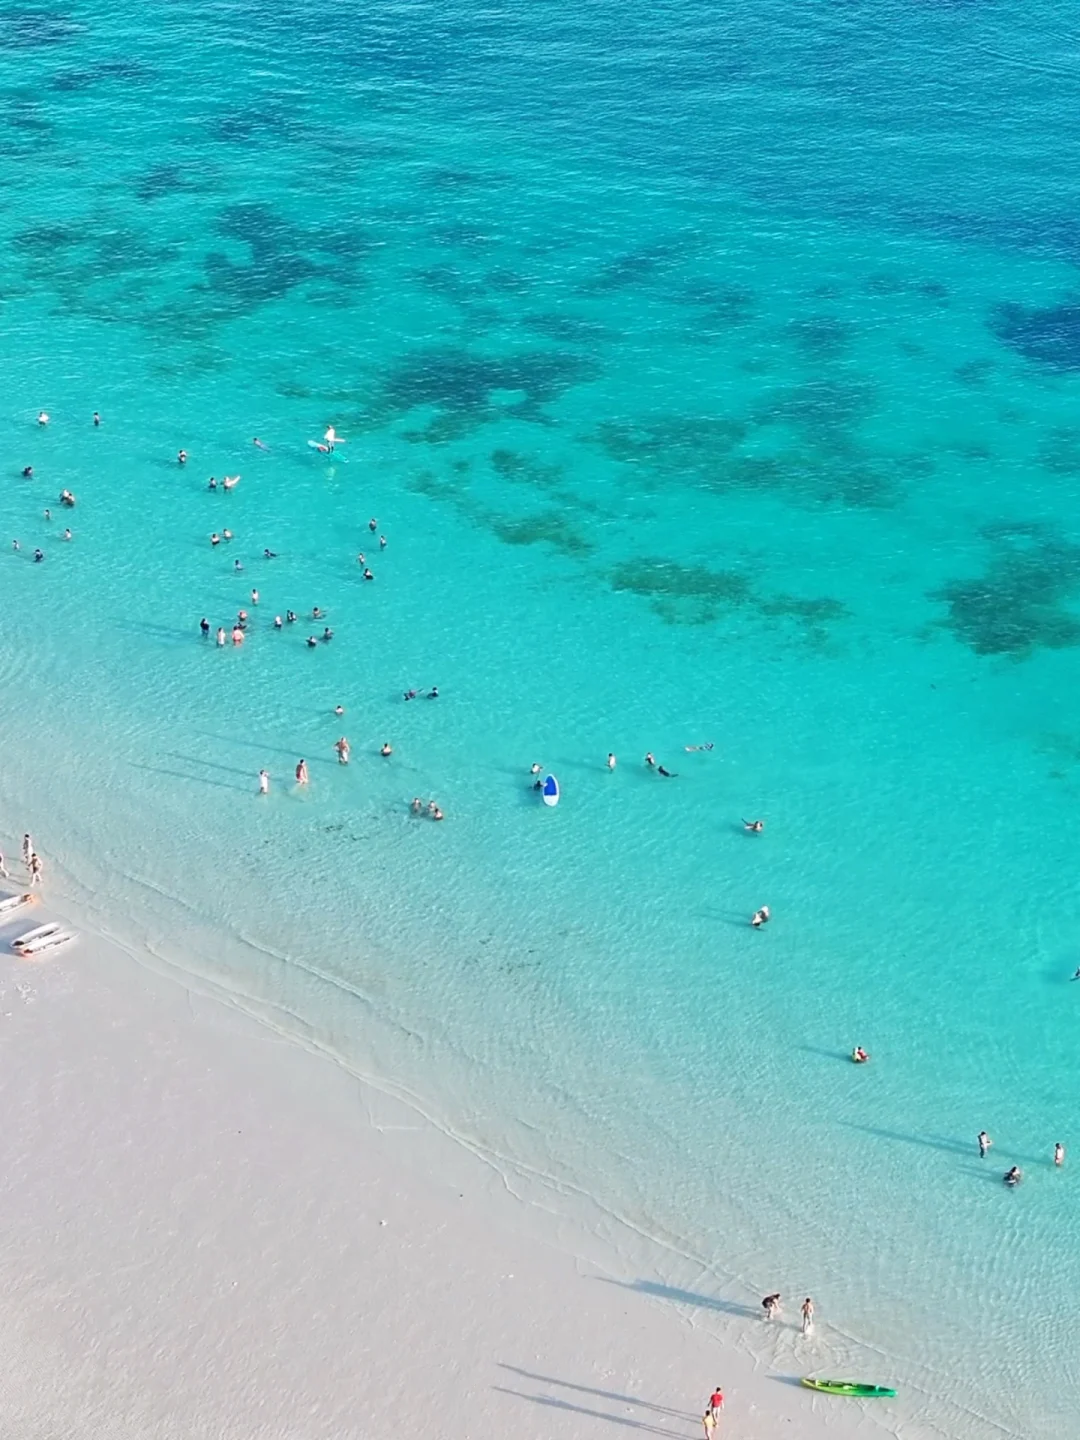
[261,1183]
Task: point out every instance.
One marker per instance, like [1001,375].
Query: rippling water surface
[713,378]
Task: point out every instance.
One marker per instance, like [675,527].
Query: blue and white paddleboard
[550,790]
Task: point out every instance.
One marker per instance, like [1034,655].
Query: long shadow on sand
[599,1394]
[683,1297]
[554,1404]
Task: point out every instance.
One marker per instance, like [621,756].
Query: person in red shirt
[716,1403]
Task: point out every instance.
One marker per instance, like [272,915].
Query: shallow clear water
[712,379]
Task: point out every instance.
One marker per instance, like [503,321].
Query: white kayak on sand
[47,942]
[40,932]
[12,903]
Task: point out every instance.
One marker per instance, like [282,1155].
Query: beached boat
[46,942]
[848,1387]
[31,937]
[11,903]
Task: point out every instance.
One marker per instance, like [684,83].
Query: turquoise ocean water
[714,377]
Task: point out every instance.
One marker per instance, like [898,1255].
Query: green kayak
[848,1387]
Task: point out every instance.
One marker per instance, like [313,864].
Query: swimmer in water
[755,825]
[1013,1177]
[417,805]
[238,635]
[215,539]
[387,750]
[97,418]
[67,498]
[339,709]
[28,472]
[226,534]
[229,482]
[238,565]
[342,748]
[204,625]
[213,484]
[254,597]
[650,760]
[302,773]
[48,514]
[264,782]
[410,694]
[316,613]
[277,622]
[1059,1154]
[259,444]
[269,554]
[433,693]
[242,619]
[368,575]
[859,1055]
[360,560]
[39,555]
[668,774]
[327,635]
[290,616]
[691,749]
[382,542]
[15,546]
[534,768]
[760,917]
[221,635]
[43,417]
[611,762]
[312,642]
[373,525]
[181,457]
[436,814]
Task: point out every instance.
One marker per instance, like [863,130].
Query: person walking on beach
[807,1315]
[716,1403]
[35,870]
[1059,1148]
[264,782]
[3,867]
[984,1144]
[302,773]
[708,1421]
[771,1306]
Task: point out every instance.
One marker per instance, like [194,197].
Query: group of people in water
[1014,1175]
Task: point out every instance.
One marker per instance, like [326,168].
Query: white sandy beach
[211,1231]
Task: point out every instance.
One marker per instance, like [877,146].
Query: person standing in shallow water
[302,773]
[807,1315]
[264,782]
[1059,1154]
[984,1144]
